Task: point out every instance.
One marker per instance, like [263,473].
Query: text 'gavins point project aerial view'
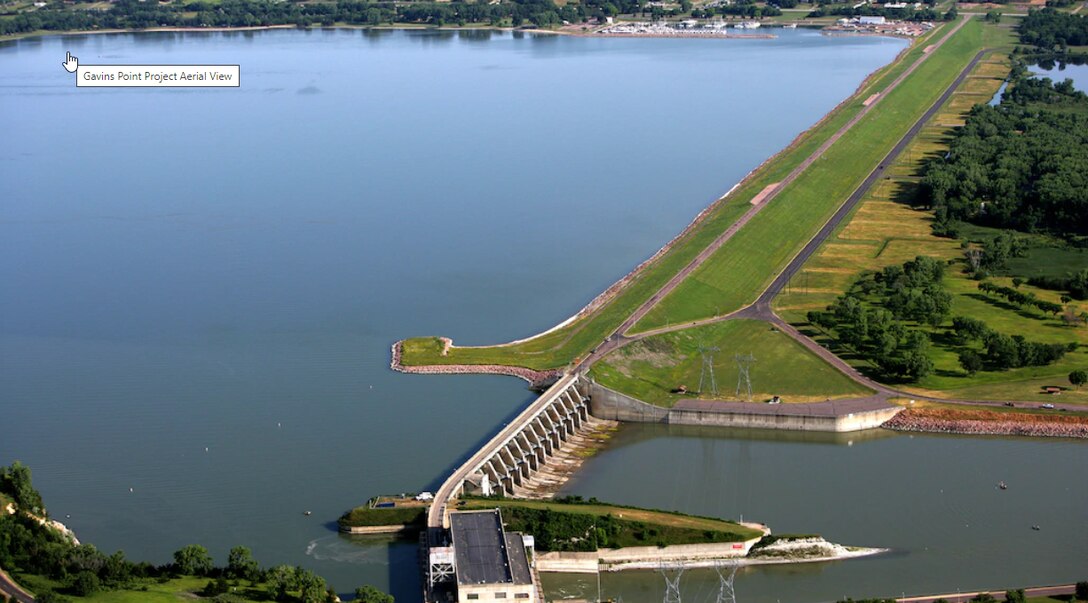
[760,301]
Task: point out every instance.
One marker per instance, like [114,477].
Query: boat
[1002,485]
[747,25]
[790,26]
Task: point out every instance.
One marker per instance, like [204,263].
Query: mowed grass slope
[562,346]
[738,272]
[661,519]
[651,368]
[884,230]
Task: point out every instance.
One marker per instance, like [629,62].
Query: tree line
[134,14]
[871,317]
[1049,29]
[1019,298]
[999,351]
[1021,165]
[31,546]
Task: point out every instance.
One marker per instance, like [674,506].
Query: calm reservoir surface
[200,287]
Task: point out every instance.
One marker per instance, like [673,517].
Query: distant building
[490,562]
[871,20]
[895,5]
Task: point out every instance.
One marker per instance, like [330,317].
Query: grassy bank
[560,347]
[184,588]
[587,526]
[885,230]
[365,516]
[738,272]
[652,368]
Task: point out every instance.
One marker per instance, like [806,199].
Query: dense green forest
[873,316]
[28,545]
[1049,29]
[928,13]
[1020,165]
[135,14]
[880,318]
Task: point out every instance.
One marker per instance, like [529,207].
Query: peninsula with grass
[574,535]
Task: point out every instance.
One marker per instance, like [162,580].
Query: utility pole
[744,364]
[672,585]
[708,368]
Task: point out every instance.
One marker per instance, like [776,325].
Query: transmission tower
[708,368]
[726,594]
[672,585]
[744,379]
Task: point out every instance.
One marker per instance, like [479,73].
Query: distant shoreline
[592,33]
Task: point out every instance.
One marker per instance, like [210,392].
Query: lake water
[1064,71]
[933,500]
[200,287]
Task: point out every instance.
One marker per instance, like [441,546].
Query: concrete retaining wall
[614,406]
[610,404]
[606,559]
[851,422]
[393,529]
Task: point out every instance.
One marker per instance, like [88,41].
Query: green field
[884,230]
[738,272]
[651,368]
[626,526]
[148,591]
[565,345]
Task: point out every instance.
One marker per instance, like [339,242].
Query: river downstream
[201,286]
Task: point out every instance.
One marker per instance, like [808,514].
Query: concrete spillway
[507,461]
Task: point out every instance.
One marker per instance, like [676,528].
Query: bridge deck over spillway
[520,448]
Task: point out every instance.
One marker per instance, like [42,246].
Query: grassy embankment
[560,347]
[558,525]
[415,516]
[185,588]
[590,525]
[884,230]
[651,368]
[738,272]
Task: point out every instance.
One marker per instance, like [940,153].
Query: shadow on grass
[1004,305]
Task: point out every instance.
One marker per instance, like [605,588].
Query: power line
[672,585]
[726,593]
[708,368]
[744,379]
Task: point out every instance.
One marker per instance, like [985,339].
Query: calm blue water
[933,500]
[200,287]
[1063,71]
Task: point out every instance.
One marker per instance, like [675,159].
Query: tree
[1015,596]
[1081,591]
[1078,377]
[311,586]
[240,564]
[970,361]
[85,584]
[15,481]
[193,560]
[369,594]
[281,579]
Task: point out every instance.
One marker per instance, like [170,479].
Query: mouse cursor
[71,63]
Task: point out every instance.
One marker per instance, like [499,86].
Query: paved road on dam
[769,196]
[437,512]
[761,308]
